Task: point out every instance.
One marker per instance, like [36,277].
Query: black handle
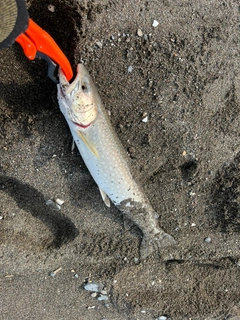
[13,21]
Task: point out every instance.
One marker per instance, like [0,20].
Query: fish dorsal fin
[88,143]
[105,197]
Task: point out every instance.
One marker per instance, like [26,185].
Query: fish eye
[84,88]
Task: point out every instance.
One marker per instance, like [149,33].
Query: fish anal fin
[105,198]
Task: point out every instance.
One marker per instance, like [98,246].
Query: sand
[183,75]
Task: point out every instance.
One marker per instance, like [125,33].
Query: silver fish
[105,158]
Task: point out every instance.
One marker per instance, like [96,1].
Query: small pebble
[52,204]
[162,318]
[103,292]
[139,33]
[93,286]
[94,294]
[145,119]
[89,49]
[49,203]
[155,23]
[1,217]
[99,44]
[208,239]
[53,273]
[193,225]
[51,8]
[60,202]
[102,298]
[58,206]
[130,69]
[76,276]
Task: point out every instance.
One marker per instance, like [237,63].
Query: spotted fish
[106,159]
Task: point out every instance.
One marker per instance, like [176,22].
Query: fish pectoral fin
[105,197]
[88,143]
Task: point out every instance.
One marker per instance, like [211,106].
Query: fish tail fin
[155,244]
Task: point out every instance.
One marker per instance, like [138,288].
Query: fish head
[78,100]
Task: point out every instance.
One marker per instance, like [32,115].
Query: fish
[106,159]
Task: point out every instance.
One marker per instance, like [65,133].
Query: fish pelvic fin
[105,197]
[88,143]
[153,244]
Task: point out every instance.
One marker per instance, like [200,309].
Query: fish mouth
[81,125]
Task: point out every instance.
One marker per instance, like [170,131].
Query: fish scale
[106,159]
